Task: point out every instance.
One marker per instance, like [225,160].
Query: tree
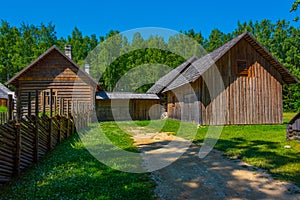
[216,39]
[294,8]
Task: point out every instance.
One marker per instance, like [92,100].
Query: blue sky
[97,17]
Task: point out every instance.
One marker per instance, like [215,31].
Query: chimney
[68,51]
[87,68]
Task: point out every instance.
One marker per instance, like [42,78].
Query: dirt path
[213,177]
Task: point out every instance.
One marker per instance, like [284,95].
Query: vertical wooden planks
[36,128]
[10,107]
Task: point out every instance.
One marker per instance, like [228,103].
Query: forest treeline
[21,45]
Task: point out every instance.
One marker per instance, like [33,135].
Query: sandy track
[214,177]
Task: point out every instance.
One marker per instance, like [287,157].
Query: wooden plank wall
[182,103]
[252,99]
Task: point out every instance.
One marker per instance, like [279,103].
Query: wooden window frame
[54,96]
[245,70]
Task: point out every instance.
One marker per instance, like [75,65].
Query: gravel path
[214,177]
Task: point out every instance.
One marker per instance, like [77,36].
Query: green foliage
[71,172]
[21,45]
[3,109]
[294,8]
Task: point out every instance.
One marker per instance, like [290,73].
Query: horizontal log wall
[56,73]
[293,128]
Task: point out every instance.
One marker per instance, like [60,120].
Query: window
[48,96]
[242,68]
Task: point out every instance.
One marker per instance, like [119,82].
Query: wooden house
[293,128]
[54,71]
[4,92]
[248,90]
[126,106]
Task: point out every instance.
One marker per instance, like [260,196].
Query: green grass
[71,172]
[3,109]
[261,146]
[288,116]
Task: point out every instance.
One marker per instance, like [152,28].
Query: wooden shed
[54,71]
[126,106]
[252,90]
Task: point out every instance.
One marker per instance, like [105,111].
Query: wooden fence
[25,139]
[3,117]
[293,128]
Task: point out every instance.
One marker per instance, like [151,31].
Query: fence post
[63,106]
[10,104]
[36,128]
[18,149]
[29,105]
[59,129]
[44,103]
[18,104]
[50,121]
[60,106]
[55,105]
[51,102]
[67,107]
[68,118]
[18,134]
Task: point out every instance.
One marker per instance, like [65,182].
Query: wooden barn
[126,106]
[54,71]
[252,90]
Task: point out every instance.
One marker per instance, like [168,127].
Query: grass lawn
[70,172]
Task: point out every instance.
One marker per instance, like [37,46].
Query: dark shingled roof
[197,68]
[126,95]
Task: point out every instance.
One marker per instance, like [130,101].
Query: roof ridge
[52,48]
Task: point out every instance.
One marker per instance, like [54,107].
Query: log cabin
[53,71]
[238,83]
[56,71]
[293,128]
